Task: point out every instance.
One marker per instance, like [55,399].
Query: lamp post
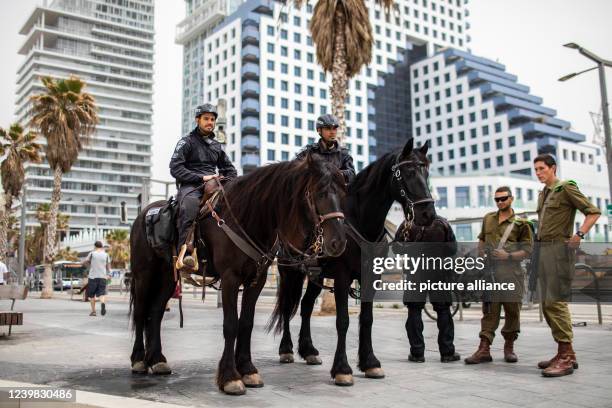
[601,64]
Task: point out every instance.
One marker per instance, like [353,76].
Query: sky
[525,35]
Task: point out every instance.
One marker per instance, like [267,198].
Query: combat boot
[547,363]
[482,355]
[509,355]
[563,364]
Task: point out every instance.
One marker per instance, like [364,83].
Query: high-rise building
[259,57]
[484,127]
[108,44]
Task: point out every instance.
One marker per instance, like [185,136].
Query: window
[298,123]
[485,130]
[297,105]
[271,137]
[284,103]
[284,68]
[487,163]
[284,138]
[270,30]
[498,144]
[271,155]
[442,196]
[526,155]
[471,101]
[512,158]
[298,140]
[462,196]
[297,37]
[270,67]
[270,118]
[284,86]
[464,232]
[482,196]
[284,156]
[271,83]
[270,100]
[486,147]
[284,51]
[484,114]
[498,127]
[283,34]
[271,48]
[500,160]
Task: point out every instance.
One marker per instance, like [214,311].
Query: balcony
[250,106]
[250,53]
[250,142]
[250,35]
[250,125]
[494,89]
[540,130]
[250,89]
[503,103]
[371,110]
[250,70]
[372,141]
[371,126]
[476,78]
[249,161]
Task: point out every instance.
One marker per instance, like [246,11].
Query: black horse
[288,199]
[398,176]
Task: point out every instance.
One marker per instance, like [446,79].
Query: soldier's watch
[580,234]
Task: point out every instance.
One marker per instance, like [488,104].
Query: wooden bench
[10,318]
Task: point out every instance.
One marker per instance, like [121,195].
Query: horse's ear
[408,148]
[424,148]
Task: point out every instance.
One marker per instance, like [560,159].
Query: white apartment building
[485,129]
[108,44]
[259,57]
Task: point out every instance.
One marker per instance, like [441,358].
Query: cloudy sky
[525,35]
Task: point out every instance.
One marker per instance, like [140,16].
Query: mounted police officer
[327,147]
[196,158]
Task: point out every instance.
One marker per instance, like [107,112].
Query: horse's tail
[288,295]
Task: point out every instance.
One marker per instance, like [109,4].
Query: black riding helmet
[327,121]
[206,108]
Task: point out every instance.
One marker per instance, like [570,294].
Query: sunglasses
[501,199]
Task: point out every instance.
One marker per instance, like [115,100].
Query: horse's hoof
[375,372]
[139,367]
[343,380]
[313,360]
[235,387]
[253,380]
[161,368]
[286,358]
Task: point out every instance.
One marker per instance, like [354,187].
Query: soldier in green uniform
[508,240]
[557,242]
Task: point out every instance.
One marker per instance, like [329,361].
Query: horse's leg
[341,371]
[285,349]
[305,347]
[229,379]
[244,363]
[138,320]
[154,357]
[368,362]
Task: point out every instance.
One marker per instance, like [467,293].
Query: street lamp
[601,64]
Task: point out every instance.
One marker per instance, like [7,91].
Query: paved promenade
[61,346]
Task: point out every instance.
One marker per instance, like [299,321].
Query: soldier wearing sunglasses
[508,240]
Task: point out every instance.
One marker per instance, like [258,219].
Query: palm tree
[66,116]
[342,33]
[19,148]
[119,243]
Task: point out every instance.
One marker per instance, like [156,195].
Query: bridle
[408,204]
[316,248]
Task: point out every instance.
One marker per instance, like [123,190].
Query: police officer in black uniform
[327,147]
[194,162]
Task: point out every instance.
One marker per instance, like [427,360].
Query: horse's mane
[278,191]
[375,174]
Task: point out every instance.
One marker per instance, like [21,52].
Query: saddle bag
[160,225]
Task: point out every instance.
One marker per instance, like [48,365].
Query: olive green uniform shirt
[557,222]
